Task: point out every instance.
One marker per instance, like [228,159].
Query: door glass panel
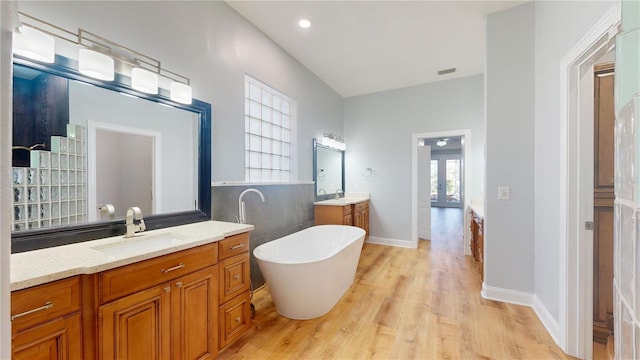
[434,180]
[453,180]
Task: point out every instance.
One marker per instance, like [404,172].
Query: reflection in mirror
[94,147]
[328,171]
[85,150]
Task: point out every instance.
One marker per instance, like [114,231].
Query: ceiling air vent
[446,71]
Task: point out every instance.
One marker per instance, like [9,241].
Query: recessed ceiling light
[304,23]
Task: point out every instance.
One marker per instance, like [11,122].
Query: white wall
[378,129]
[509,230]
[213,45]
[557,29]
[7,12]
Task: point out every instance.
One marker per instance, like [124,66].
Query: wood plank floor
[404,304]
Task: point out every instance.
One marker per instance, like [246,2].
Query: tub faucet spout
[241,208]
[338,192]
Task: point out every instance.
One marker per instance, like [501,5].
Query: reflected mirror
[83,152]
[328,165]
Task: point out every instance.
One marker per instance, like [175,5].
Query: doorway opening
[574,331]
[439,179]
[132,157]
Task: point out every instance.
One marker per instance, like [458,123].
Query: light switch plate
[504,193]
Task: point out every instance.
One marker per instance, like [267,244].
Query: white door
[424,192]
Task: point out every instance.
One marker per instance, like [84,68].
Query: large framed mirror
[85,150]
[328,171]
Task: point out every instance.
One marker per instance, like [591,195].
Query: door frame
[424,152]
[466,155]
[574,331]
[92,128]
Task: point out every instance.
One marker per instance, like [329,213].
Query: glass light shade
[441,143]
[34,44]
[181,92]
[144,80]
[96,65]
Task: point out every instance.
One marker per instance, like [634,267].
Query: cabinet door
[59,339]
[137,326]
[234,277]
[195,315]
[235,319]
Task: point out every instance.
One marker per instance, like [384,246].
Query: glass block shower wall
[627,187]
[52,191]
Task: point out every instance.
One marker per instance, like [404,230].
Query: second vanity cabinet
[351,214]
[160,308]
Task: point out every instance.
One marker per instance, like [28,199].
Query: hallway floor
[420,303]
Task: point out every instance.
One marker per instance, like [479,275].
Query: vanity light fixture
[441,143]
[98,57]
[144,80]
[34,44]
[333,141]
[181,92]
[96,65]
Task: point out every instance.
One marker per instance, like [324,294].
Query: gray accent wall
[286,209]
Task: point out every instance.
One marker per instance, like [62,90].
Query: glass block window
[270,133]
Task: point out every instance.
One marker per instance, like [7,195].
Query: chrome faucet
[241,210]
[135,222]
[338,192]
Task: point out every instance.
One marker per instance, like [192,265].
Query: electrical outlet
[503,193]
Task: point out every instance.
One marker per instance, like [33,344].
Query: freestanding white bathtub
[309,271]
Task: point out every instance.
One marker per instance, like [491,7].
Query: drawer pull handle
[236,247]
[179,266]
[47,305]
[237,319]
[236,277]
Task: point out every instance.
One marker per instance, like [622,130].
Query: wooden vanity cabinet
[477,240]
[47,321]
[175,315]
[352,214]
[234,293]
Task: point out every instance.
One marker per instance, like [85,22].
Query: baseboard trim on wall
[549,322]
[507,295]
[391,242]
[526,299]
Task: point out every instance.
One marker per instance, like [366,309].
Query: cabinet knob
[236,277]
[237,319]
[179,284]
[167,289]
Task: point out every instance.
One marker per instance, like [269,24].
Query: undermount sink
[141,244]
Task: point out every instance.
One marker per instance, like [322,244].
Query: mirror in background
[328,171]
[82,153]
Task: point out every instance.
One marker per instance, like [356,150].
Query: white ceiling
[361,47]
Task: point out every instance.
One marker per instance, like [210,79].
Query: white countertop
[41,266]
[347,200]
[478,209]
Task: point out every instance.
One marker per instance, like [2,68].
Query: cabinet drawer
[235,319]
[346,210]
[233,245]
[128,279]
[59,339]
[44,302]
[361,206]
[234,277]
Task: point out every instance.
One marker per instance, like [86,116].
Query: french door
[446,181]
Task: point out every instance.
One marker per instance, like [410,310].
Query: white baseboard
[526,299]
[551,324]
[390,242]
[507,295]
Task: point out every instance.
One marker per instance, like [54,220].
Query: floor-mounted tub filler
[308,272]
